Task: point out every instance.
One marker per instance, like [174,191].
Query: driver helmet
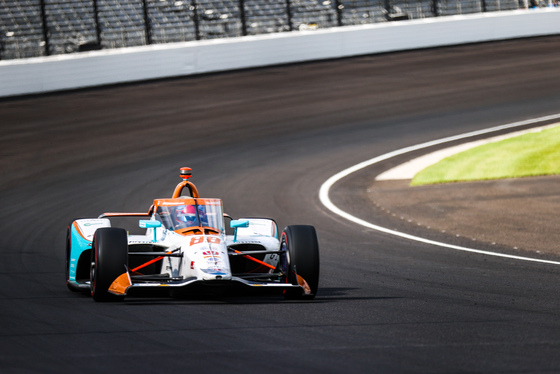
[186,214]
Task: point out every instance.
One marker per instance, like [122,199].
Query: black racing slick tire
[302,259]
[109,260]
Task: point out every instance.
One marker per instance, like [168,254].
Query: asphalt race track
[265,140]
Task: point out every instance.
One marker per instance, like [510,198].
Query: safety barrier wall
[87,69]
[35,28]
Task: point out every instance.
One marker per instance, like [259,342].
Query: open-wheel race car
[185,250]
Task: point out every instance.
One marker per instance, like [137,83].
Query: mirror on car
[148,224]
[239,223]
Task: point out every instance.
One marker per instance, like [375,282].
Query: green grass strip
[526,155]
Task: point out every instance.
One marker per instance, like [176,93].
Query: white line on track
[326,201]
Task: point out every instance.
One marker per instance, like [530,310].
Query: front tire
[109,260]
[302,259]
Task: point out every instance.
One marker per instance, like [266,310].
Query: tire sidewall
[109,260]
[302,255]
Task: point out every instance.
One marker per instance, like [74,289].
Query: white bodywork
[206,257]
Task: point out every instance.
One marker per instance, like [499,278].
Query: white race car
[185,250]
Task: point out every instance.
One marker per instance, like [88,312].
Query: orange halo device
[185,174]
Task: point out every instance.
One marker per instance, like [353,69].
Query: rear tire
[109,258]
[302,258]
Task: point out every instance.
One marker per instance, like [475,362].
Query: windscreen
[191,213]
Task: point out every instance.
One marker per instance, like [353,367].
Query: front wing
[125,285]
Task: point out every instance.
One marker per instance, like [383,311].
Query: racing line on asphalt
[326,186]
